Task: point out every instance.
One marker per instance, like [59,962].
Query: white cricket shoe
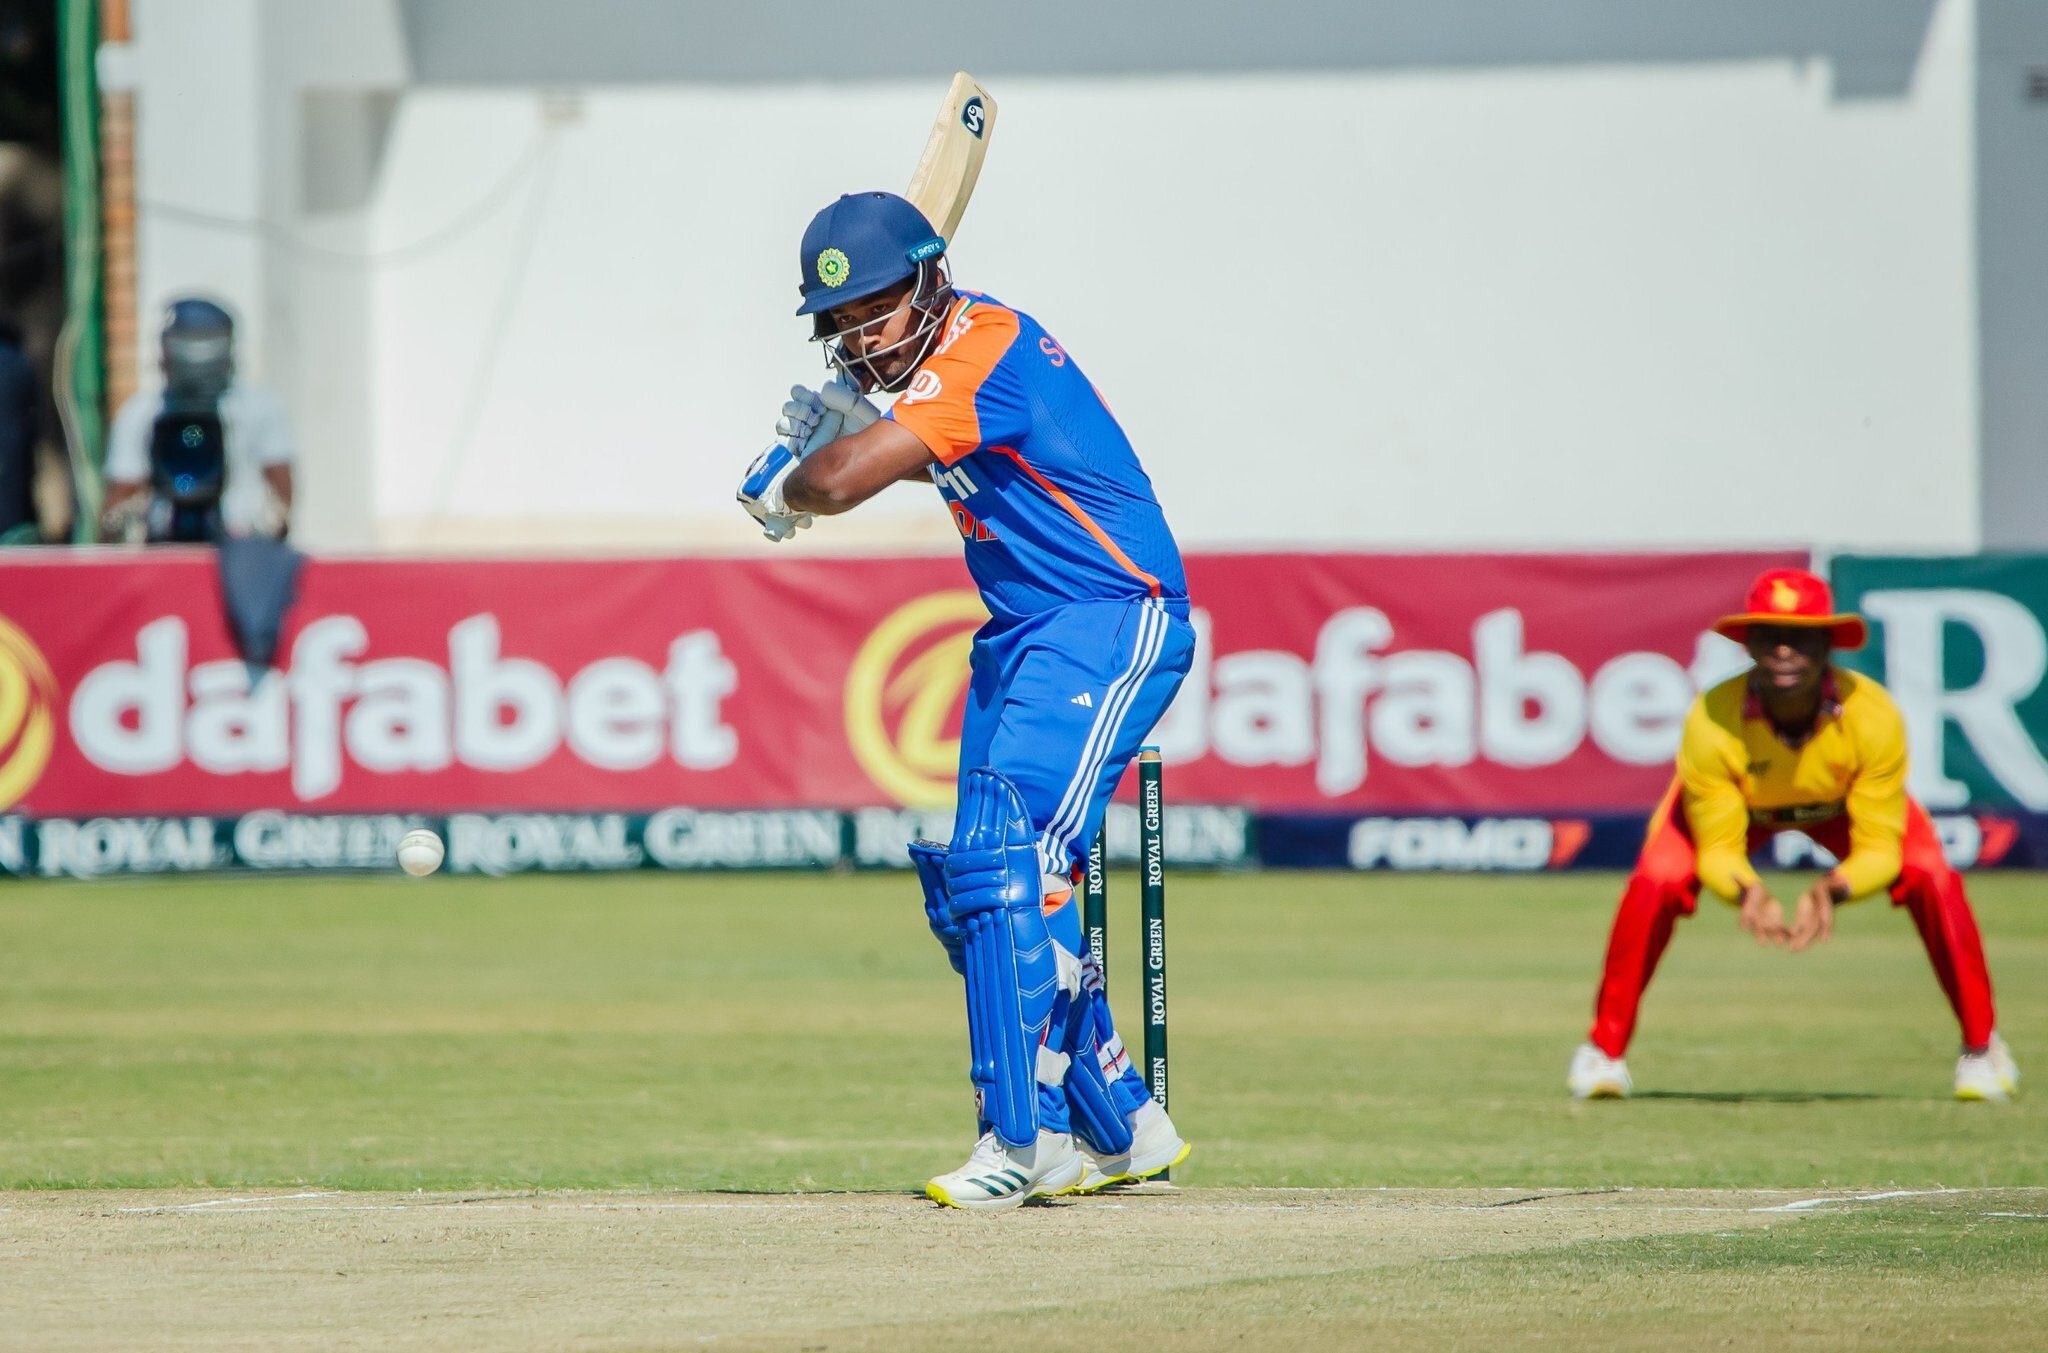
[1987,1077]
[1595,1075]
[998,1175]
[2001,1059]
[1156,1146]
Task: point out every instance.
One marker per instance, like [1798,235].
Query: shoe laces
[989,1153]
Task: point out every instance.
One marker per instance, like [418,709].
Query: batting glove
[813,418]
[844,398]
[760,493]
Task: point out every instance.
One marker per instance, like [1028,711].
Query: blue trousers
[1060,703]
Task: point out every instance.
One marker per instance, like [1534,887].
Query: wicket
[1152,911]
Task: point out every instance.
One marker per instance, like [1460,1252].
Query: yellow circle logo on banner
[906,680]
[28,713]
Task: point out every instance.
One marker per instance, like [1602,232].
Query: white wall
[1700,304]
[222,179]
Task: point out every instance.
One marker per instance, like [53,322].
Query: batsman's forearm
[810,488]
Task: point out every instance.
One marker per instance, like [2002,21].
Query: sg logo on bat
[972,117]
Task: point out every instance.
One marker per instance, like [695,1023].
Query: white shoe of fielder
[998,1175]
[1595,1075]
[1990,1076]
[1156,1147]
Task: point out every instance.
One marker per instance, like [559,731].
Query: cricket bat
[945,174]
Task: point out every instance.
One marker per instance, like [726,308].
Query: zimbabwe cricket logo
[28,714]
[833,269]
[906,683]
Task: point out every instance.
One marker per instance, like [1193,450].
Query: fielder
[1794,744]
[1088,640]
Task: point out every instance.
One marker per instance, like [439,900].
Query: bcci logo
[904,695]
[833,269]
[28,714]
[973,117]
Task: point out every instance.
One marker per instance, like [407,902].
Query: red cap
[1793,597]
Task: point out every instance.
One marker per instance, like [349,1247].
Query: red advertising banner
[1338,682]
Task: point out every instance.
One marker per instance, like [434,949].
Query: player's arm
[1876,804]
[847,472]
[1714,807]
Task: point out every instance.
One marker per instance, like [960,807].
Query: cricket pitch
[1186,1269]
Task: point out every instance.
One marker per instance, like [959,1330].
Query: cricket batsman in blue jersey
[1088,638]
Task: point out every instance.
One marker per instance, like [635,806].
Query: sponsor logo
[1519,844]
[880,834]
[294,841]
[686,838]
[28,713]
[974,117]
[924,385]
[968,525]
[328,713]
[127,845]
[1966,842]
[1357,696]
[1196,836]
[1987,713]
[833,268]
[903,694]
[513,843]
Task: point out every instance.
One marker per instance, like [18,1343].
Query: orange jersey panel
[941,404]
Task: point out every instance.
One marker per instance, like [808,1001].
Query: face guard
[930,297]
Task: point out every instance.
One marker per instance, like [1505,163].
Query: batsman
[1087,640]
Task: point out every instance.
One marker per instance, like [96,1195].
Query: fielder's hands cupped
[1762,916]
[1813,917]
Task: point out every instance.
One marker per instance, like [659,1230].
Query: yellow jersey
[1737,773]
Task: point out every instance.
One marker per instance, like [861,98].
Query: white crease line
[2034,1216]
[1808,1204]
[233,1202]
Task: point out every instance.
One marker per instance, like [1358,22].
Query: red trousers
[1666,886]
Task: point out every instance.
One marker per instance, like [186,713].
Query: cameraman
[207,456]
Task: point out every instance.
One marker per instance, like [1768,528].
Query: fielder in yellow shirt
[1794,744]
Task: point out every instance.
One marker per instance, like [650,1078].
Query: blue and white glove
[761,493]
[812,418]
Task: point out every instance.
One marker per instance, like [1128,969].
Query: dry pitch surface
[1192,1269]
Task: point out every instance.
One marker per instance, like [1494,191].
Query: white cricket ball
[420,852]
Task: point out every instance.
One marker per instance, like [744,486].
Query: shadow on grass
[1763,1096]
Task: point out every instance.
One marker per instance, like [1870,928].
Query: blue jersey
[1043,485]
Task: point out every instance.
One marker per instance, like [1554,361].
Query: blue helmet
[862,244]
[198,346]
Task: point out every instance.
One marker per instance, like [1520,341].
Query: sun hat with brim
[1795,599]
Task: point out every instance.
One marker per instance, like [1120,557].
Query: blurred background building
[1487,273]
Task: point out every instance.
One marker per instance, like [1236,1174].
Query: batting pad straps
[1090,1107]
[1012,970]
[930,859]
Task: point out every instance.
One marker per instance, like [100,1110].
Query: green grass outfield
[802,1032]
[541,1078]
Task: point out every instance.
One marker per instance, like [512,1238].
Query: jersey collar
[1830,708]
